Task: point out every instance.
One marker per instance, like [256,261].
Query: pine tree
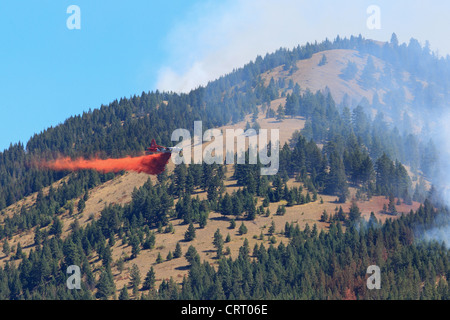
[218,242]
[192,255]
[242,229]
[120,264]
[6,248]
[281,210]
[394,40]
[149,242]
[177,253]
[81,205]
[391,206]
[324,216]
[150,280]
[19,252]
[135,246]
[70,207]
[251,211]
[336,183]
[340,214]
[159,258]
[124,293]
[105,285]
[354,213]
[135,278]
[280,113]
[106,255]
[56,227]
[226,207]
[349,71]
[190,233]
[367,76]
[272,228]
[323,61]
[169,256]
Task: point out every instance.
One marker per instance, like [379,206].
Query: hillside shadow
[183,268]
[220,218]
[233,185]
[29,246]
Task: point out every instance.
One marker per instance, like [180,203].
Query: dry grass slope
[118,191]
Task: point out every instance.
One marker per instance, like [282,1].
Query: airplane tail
[153,144]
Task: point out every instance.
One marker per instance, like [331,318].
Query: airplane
[154,148]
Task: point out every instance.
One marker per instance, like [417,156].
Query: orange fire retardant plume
[151,164]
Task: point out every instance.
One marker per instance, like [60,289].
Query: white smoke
[439,131]
[216,37]
[441,235]
[440,232]
[443,143]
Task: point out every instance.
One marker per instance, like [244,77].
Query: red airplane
[154,148]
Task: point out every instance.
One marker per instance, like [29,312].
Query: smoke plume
[151,164]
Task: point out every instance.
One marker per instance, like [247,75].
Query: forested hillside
[345,152]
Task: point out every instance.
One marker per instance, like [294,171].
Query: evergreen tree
[190,233]
[169,256]
[272,228]
[135,279]
[70,208]
[81,205]
[218,242]
[350,71]
[394,40]
[336,183]
[242,229]
[226,207]
[391,206]
[56,227]
[177,253]
[135,246]
[323,61]
[150,280]
[324,216]
[124,293]
[280,113]
[159,258]
[6,248]
[192,255]
[19,253]
[105,285]
[367,76]
[354,214]
[232,224]
[106,255]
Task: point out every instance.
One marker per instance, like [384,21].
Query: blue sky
[48,72]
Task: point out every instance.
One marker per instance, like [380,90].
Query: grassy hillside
[119,191]
[339,155]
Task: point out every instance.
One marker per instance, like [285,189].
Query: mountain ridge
[253,100]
